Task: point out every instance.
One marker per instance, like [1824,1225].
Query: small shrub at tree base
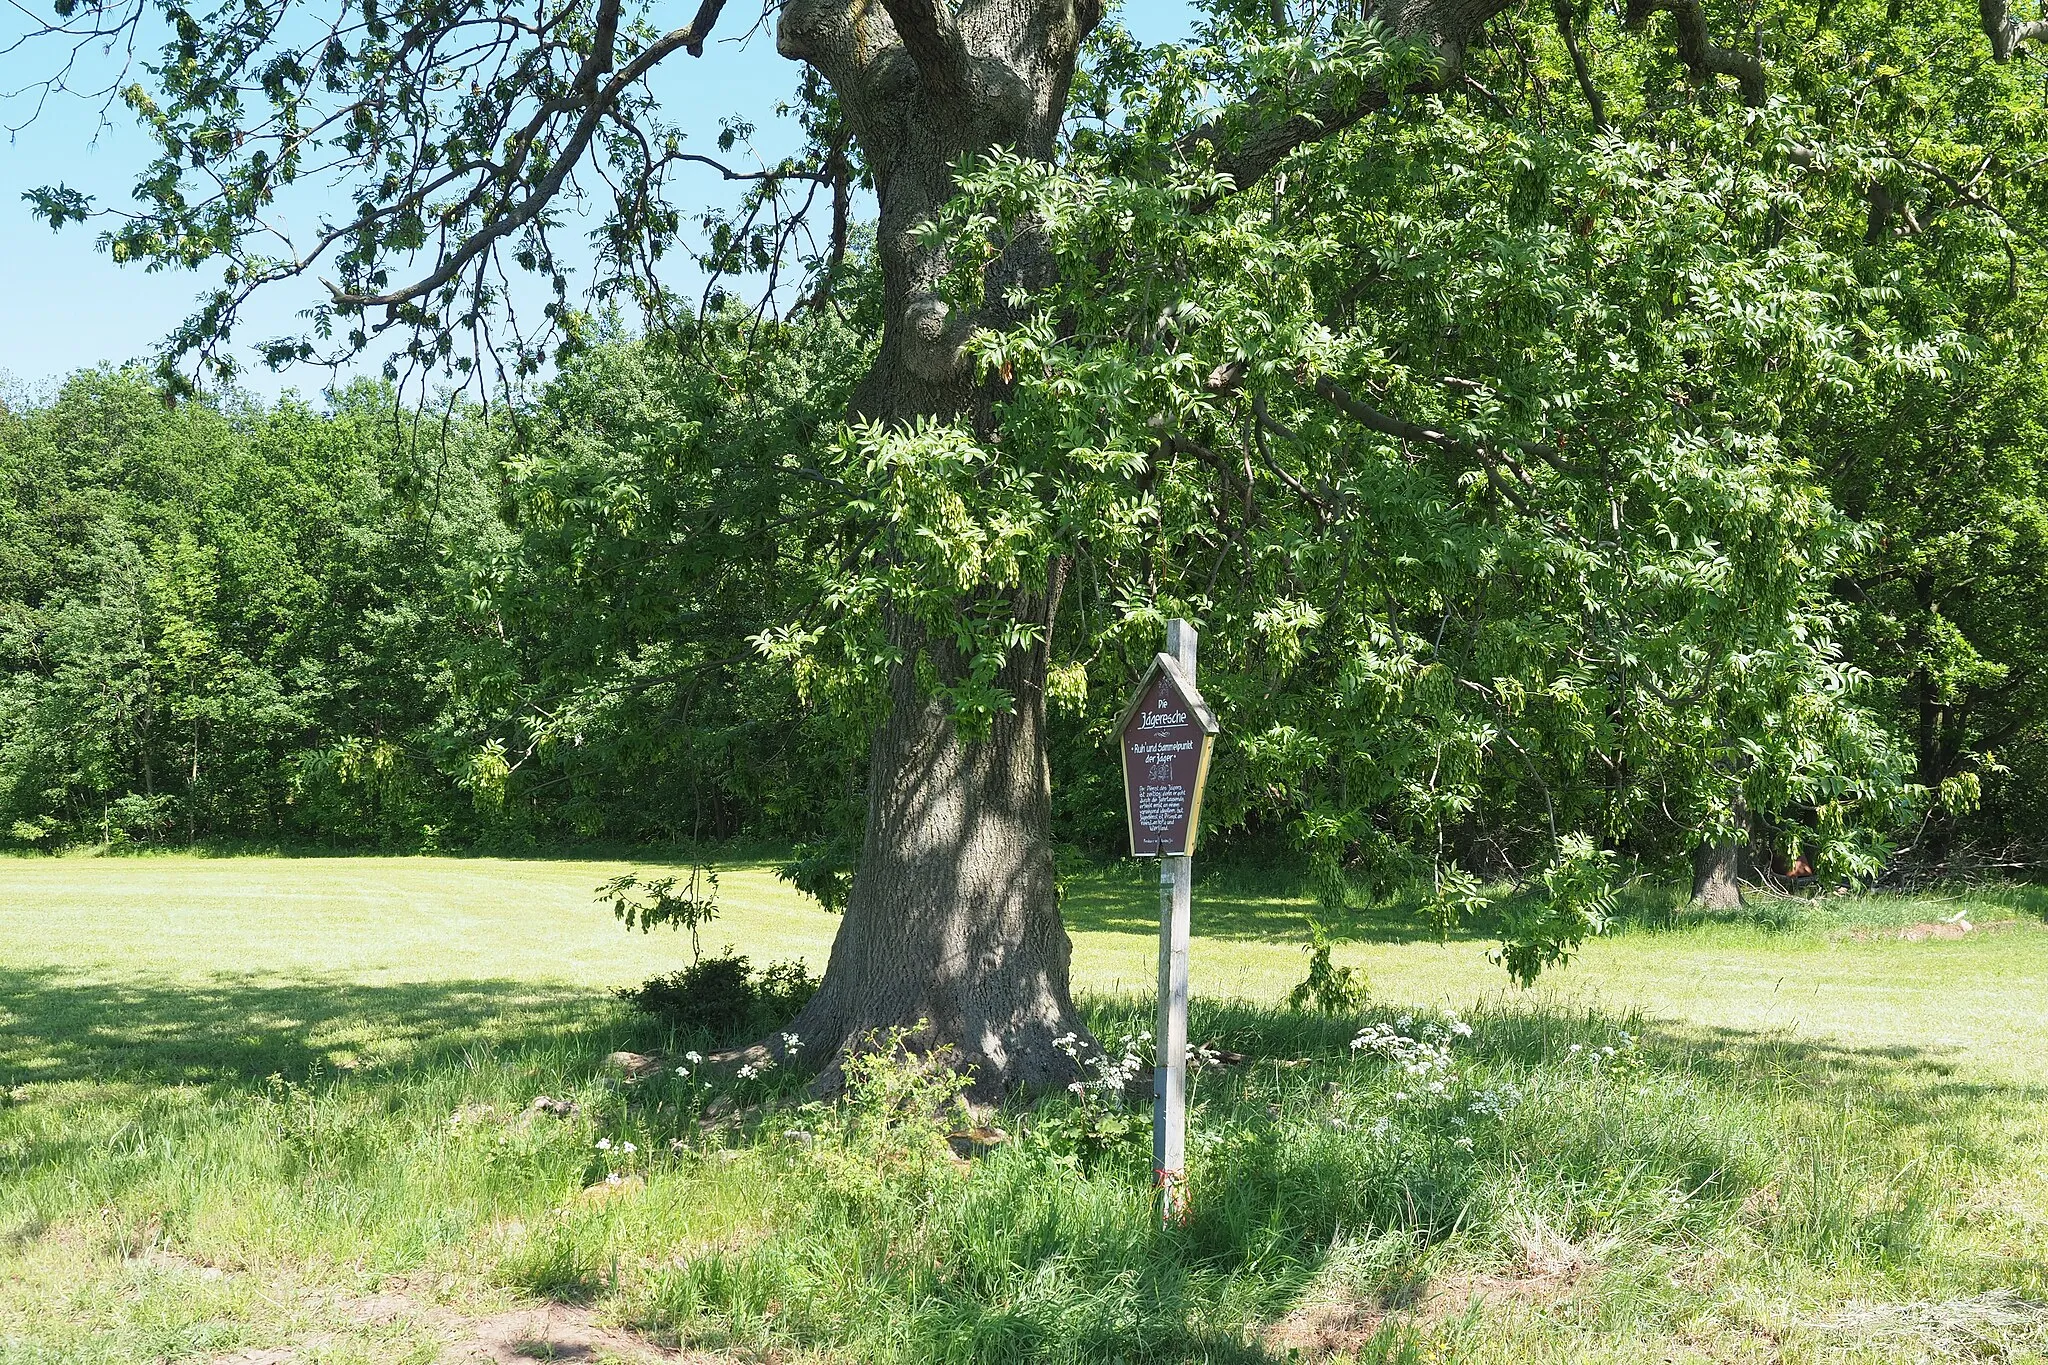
[723,995]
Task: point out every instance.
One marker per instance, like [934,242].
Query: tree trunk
[1717,865]
[1714,876]
[1934,741]
[952,928]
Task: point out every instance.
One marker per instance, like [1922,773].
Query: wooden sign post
[1168,734]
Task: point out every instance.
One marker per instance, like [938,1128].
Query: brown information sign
[1167,736]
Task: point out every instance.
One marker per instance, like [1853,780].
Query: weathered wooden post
[1168,734]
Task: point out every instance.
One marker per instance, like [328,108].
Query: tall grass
[1557,1157]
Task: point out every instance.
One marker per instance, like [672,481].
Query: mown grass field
[275,1110]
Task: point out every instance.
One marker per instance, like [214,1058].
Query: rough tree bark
[1717,866]
[1715,883]
[952,927]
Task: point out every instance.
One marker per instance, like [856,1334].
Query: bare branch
[509,218]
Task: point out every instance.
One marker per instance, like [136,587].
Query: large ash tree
[1431,352]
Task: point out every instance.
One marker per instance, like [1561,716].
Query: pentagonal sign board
[1167,736]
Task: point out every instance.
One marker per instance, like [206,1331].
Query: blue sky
[64,305]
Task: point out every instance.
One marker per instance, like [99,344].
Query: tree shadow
[1288,1196]
[240,1029]
[1917,1089]
[1125,900]
[1295,1183]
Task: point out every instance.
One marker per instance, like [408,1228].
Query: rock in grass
[635,1064]
[976,1141]
[561,1109]
[613,1186]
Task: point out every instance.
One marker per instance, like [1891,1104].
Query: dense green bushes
[231,621]
[724,998]
[234,621]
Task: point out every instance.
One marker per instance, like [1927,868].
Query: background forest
[356,625]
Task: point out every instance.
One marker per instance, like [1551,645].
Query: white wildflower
[628,1148]
[604,1144]
[693,1058]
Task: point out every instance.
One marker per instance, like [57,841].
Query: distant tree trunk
[1935,742]
[1717,866]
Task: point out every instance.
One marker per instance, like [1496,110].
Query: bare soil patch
[1546,1269]
[518,1336]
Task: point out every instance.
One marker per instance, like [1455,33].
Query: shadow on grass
[1277,1199]
[57,1026]
[1916,1089]
[1125,900]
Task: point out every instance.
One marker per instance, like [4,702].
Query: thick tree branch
[1698,50]
[1581,68]
[1386,424]
[933,40]
[2007,33]
[1246,150]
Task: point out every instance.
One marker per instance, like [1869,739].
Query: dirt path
[518,1336]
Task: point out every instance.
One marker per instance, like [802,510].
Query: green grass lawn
[269,1110]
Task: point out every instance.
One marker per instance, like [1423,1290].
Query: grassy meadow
[262,1111]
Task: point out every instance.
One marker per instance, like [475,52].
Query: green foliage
[1576,900]
[1564,471]
[1474,444]
[1331,988]
[225,621]
[642,904]
[724,997]
[823,870]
